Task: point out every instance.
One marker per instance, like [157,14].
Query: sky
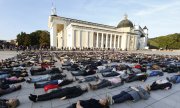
[160,16]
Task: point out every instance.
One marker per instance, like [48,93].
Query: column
[127,42]
[53,36]
[114,41]
[78,39]
[110,41]
[134,43]
[80,35]
[84,39]
[74,39]
[118,41]
[102,40]
[106,45]
[91,37]
[88,39]
[97,41]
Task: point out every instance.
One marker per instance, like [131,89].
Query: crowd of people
[57,72]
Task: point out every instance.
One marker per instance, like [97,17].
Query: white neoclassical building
[72,33]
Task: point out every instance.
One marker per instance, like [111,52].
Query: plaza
[89,54]
[161,98]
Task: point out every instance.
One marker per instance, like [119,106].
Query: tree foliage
[171,41]
[38,38]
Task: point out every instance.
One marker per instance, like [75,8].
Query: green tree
[44,39]
[37,38]
[171,41]
[27,40]
[21,37]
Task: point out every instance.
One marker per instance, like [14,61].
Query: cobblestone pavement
[158,99]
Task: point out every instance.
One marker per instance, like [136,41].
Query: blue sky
[160,16]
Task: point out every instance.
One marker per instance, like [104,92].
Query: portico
[71,33]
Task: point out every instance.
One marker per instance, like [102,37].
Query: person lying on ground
[87,79]
[9,103]
[159,85]
[83,72]
[105,69]
[110,74]
[47,77]
[4,75]
[136,77]
[111,83]
[174,79]
[9,89]
[171,69]
[91,103]
[35,69]
[63,93]
[59,82]
[13,80]
[155,73]
[50,71]
[131,93]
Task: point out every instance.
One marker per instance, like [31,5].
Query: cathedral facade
[72,33]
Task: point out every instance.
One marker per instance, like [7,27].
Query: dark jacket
[91,103]
[137,95]
[74,92]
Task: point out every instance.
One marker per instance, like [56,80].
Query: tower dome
[125,23]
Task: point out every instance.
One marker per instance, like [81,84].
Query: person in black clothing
[159,84]
[91,103]
[63,93]
[9,81]
[51,71]
[59,82]
[9,89]
[136,77]
[84,72]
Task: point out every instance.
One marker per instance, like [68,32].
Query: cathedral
[73,33]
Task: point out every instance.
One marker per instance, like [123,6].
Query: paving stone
[44,104]
[58,102]
[158,99]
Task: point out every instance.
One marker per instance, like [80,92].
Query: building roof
[86,22]
[145,27]
[125,23]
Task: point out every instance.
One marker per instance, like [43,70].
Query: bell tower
[53,9]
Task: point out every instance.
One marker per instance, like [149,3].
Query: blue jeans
[104,83]
[156,73]
[92,78]
[41,78]
[175,78]
[106,70]
[88,79]
[41,85]
[3,76]
[77,73]
[110,74]
[122,97]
